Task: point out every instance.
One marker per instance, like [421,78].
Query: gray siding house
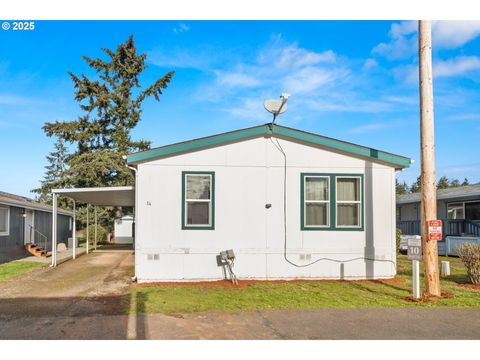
[458,208]
[24,221]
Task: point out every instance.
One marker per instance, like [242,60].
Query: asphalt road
[86,298]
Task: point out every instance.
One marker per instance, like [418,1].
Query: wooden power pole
[427,149]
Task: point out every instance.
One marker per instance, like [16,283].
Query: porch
[450,227]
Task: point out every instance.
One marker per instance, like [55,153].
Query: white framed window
[4,221]
[198,204]
[348,203]
[456,211]
[316,201]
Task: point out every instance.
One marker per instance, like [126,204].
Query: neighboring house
[123,230]
[458,207]
[24,221]
[227,191]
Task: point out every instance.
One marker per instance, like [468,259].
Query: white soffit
[101,196]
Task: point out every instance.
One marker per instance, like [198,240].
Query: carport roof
[101,196]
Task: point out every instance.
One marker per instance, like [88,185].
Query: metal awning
[96,196]
[101,196]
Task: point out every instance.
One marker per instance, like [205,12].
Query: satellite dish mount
[277,107]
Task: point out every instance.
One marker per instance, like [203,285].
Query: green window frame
[210,201]
[333,203]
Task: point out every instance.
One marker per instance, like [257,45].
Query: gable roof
[397,161]
[27,203]
[443,194]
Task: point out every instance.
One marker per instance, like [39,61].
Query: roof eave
[398,162]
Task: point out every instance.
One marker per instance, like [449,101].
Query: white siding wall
[248,175]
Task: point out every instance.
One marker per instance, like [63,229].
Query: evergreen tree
[417,185]
[400,188]
[55,172]
[443,183]
[454,183]
[112,106]
[465,182]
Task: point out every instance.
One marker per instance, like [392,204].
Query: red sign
[434,230]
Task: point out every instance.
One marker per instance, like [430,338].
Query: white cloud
[181,28]
[309,79]
[445,35]
[375,127]
[465,117]
[457,66]
[236,79]
[370,64]
[453,34]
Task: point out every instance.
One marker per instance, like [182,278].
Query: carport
[96,196]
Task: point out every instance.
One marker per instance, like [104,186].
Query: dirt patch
[470,286]
[247,283]
[428,299]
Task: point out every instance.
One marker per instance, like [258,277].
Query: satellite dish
[275,106]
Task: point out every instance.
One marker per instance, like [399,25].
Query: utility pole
[427,150]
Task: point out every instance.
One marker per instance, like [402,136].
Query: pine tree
[55,172]
[465,182]
[112,106]
[417,185]
[400,188]
[443,183]
[454,183]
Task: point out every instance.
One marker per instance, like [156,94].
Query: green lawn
[15,268]
[296,295]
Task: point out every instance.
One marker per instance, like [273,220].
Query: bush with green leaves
[470,255]
[101,234]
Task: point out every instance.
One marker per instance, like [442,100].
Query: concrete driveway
[87,298]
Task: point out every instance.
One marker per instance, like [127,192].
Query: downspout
[135,219]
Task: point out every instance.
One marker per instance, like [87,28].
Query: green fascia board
[398,161]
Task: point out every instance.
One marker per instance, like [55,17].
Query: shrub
[101,234]
[399,235]
[470,255]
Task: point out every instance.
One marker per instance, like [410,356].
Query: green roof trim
[398,161]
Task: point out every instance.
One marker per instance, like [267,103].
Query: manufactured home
[25,221]
[457,207]
[290,204]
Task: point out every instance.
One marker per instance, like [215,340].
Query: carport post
[95,211]
[74,231]
[87,229]
[54,229]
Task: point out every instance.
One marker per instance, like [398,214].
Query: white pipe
[95,211]
[54,230]
[87,229]
[74,231]
[135,220]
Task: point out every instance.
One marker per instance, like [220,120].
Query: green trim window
[198,200]
[332,202]
[4,221]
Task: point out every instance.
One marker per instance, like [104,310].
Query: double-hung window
[348,201]
[198,200]
[317,201]
[331,201]
[4,221]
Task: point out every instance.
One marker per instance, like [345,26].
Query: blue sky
[352,80]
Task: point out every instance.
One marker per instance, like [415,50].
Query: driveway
[86,298]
